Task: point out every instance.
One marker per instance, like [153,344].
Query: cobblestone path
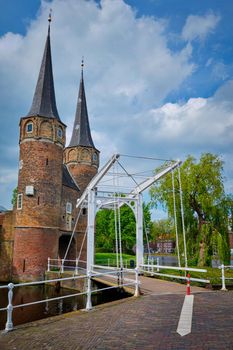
[147,322]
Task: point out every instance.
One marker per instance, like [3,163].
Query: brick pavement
[147,322]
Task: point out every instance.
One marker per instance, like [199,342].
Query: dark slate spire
[81,135]
[44,101]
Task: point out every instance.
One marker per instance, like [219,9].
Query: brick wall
[6,245]
[68,195]
[83,163]
[32,247]
[42,169]
[42,128]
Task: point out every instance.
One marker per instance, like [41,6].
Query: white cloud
[127,58]
[129,71]
[105,144]
[198,27]
[198,125]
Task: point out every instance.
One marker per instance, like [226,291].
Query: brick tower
[42,139]
[81,156]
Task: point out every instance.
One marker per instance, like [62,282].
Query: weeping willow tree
[206,207]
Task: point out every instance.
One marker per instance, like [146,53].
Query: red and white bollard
[188,289]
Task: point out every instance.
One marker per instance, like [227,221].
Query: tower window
[29,127]
[84,211]
[68,208]
[59,132]
[20,201]
[94,157]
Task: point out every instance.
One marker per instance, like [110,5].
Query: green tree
[162,228]
[14,196]
[104,239]
[206,206]
[105,228]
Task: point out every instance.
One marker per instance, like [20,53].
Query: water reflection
[35,312]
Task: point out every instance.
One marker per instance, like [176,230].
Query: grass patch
[213,275]
[110,258]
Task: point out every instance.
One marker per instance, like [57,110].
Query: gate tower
[42,139]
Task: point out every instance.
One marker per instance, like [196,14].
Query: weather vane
[50,16]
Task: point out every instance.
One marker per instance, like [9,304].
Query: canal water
[171,260]
[35,312]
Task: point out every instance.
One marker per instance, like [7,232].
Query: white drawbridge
[95,198]
[99,194]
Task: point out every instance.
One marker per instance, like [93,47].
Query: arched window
[46,130]
[29,127]
[59,132]
[69,208]
[94,157]
[85,155]
[19,201]
[72,155]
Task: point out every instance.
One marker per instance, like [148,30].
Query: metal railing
[88,292]
[151,269]
[109,272]
[61,265]
[223,278]
[126,263]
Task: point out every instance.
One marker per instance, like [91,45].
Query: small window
[68,208]
[94,157]
[59,132]
[29,127]
[84,211]
[19,201]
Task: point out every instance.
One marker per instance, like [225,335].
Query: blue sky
[158,75]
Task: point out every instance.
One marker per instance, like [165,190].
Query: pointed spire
[82,65]
[81,135]
[44,101]
[49,20]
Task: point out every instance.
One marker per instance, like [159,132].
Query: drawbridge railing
[62,265]
[223,277]
[88,292]
[119,275]
[155,270]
